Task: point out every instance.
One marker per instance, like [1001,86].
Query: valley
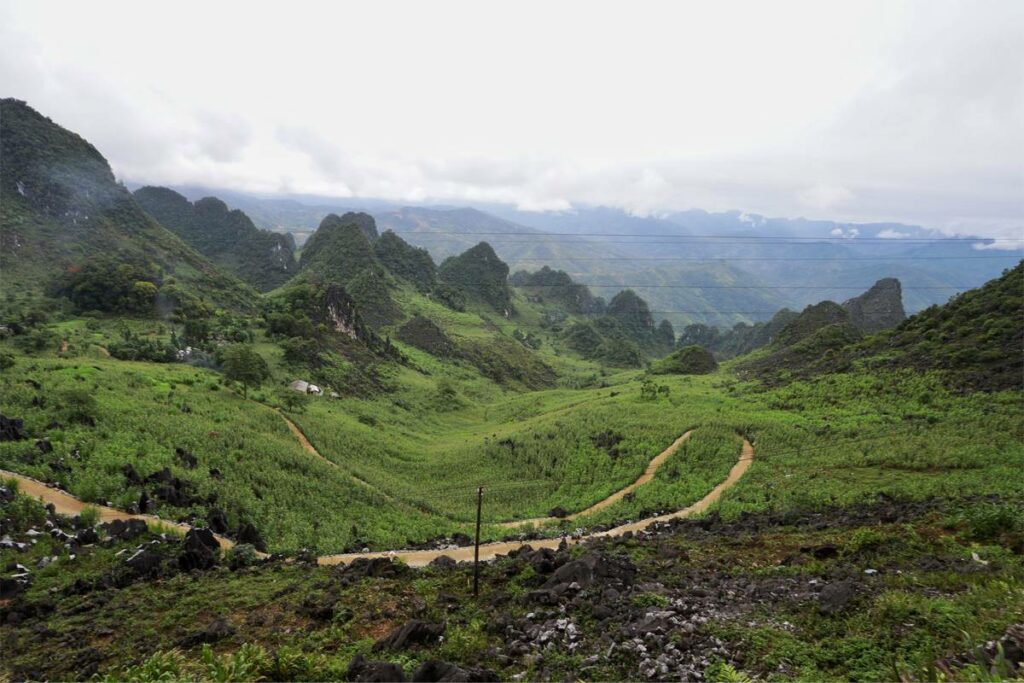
[223,457]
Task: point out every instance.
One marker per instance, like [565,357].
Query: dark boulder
[215,631]
[145,562]
[363,669]
[12,429]
[6,494]
[415,632]
[126,530]
[376,567]
[130,475]
[144,503]
[247,533]
[87,536]
[435,671]
[559,512]
[44,446]
[199,551]
[879,308]
[217,520]
[594,568]
[443,562]
[462,540]
[836,596]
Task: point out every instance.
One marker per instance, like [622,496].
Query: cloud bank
[855,112]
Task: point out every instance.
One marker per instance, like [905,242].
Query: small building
[304,387]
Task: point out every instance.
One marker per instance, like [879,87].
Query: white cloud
[890,234]
[850,111]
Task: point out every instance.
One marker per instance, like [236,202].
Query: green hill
[975,340]
[64,218]
[262,258]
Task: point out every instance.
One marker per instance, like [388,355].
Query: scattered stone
[836,596]
[200,550]
[215,631]
[435,671]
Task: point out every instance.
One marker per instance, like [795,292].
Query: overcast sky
[844,110]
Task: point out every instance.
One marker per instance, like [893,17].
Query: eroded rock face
[879,308]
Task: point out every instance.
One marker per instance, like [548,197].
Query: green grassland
[408,460]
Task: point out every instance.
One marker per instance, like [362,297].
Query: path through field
[65,503]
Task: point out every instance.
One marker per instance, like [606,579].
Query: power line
[776,287]
[831,238]
[723,259]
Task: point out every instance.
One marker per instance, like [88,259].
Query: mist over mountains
[691,266]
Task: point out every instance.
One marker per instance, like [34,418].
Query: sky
[851,111]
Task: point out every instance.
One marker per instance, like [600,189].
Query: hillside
[974,340]
[227,237]
[63,212]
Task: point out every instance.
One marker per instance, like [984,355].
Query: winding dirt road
[652,468]
[67,504]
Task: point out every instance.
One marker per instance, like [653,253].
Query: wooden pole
[476,548]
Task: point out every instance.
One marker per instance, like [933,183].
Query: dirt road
[67,504]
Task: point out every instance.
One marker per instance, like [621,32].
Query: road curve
[65,503]
[648,474]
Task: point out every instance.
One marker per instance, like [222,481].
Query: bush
[242,555]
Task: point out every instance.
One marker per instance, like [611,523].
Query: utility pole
[476,549]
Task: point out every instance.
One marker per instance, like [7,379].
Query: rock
[559,512]
[443,562]
[145,562]
[363,669]
[247,533]
[217,520]
[824,552]
[434,671]
[879,308]
[44,446]
[594,568]
[144,504]
[12,429]
[6,494]
[126,530]
[131,476]
[836,596]
[461,540]
[543,561]
[200,550]
[216,474]
[216,630]
[87,537]
[415,632]
[377,567]
[10,586]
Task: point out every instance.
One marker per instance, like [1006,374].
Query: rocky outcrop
[879,308]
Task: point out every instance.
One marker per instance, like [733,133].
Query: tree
[242,364]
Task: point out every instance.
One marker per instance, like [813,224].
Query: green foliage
[159,667]
[241,363]
[78,405]
[424,334]
[113,285]
[244,665]
[90,516]
[646,600]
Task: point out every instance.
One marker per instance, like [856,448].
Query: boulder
[415,632]
[443,562]
[130,475]
[435,671]
[363,669]
[217,520]
[125,530]
[12,429]
[145,562]
[377,567]
[199,551]
[593,568]
[836,596]
[44,446]
[247,533]
[215,631]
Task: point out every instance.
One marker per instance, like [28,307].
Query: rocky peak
[879,308]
